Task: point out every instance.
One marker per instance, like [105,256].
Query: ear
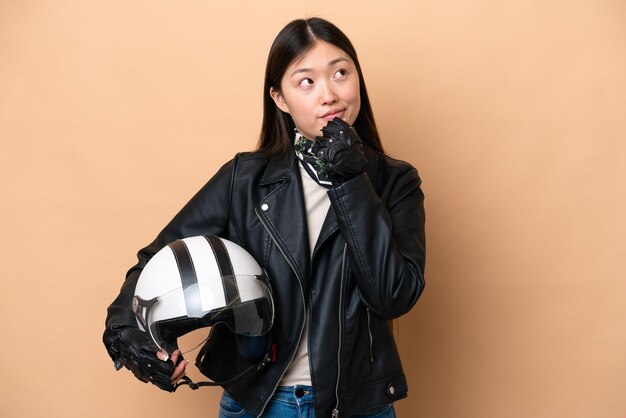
[279,99]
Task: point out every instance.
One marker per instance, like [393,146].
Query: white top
[317,204]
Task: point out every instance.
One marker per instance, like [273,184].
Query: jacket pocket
[370,334]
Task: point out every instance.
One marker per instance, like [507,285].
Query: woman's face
[320,86]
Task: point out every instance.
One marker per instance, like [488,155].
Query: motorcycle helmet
[206,282]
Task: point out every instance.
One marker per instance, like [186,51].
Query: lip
[333,113]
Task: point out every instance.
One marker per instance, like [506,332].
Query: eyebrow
[307,70]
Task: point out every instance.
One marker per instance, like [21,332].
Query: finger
[162,355]
[337,133]
[338,124]
[331,131]
[320,142]
[174,356]
[179,371]
[338,121]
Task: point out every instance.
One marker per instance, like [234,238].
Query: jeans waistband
[297,393]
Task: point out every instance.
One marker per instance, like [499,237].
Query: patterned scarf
[312,165]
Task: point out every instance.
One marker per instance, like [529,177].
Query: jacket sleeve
[207,213]
[386,242]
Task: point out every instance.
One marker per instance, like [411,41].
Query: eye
[305,82]
[340,73]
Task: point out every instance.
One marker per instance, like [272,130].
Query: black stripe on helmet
[231,291]
[188,278]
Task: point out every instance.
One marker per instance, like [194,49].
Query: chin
[349,120]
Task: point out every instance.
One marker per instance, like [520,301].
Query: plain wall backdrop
[114,113]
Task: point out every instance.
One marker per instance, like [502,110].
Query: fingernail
[163,356]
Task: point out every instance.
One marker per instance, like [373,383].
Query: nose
[327,94]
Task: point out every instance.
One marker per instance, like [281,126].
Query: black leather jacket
[367,267]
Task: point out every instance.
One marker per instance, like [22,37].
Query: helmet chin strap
[270,357]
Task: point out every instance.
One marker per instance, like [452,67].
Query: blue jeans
[287,402]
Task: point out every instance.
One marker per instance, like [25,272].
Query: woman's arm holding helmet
[207,213]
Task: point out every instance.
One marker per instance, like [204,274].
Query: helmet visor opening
[243,303]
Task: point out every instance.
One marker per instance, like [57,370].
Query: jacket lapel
[283,211]
[329,227]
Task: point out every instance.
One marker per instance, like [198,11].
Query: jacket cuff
[355,183]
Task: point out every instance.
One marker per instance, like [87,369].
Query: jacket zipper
[343,264]
[369,330]
[301,293]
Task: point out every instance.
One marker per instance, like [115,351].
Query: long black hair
[291,43]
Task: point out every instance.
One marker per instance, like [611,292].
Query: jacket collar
[279,167]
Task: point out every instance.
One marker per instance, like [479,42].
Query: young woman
[336,223]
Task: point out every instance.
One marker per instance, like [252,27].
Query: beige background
[113,113]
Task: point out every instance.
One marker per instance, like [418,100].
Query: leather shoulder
[386,163]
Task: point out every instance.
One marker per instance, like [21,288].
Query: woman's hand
[340,150]
[134,349]
[179,369]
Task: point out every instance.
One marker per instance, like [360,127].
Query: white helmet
[206,281]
